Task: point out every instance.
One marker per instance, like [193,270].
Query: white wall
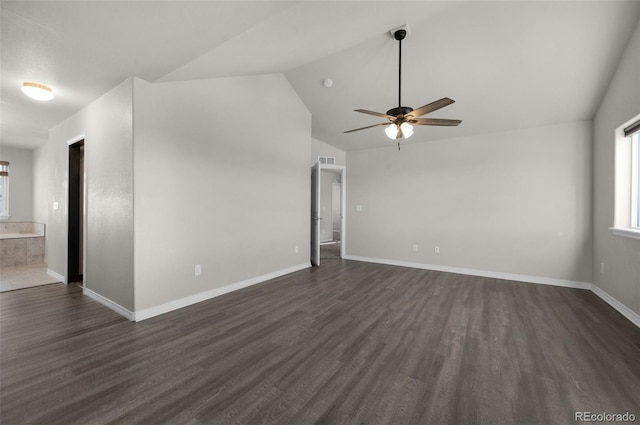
[221,180]
[516,202]
[620,255]
[20,182]
[107,126]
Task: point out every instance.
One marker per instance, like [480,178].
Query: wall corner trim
[56,275]
[129,315]
[150,312]
[621,308]
[632,316]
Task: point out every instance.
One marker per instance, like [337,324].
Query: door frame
[314,226]
[75,211]
[342,171]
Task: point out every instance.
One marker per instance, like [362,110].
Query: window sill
[626,232]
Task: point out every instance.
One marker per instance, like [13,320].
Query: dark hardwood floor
[348,343]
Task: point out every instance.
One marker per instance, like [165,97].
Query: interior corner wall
[20,182]
[620,255]
[107,128]
[516,202]
[222,179]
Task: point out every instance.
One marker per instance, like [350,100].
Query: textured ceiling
[507,64]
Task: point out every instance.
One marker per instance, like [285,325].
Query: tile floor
[12,278]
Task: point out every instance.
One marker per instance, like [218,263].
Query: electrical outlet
[415,247]
[359,208]
[296,249]
[601,268]
[198,270]
[436,249]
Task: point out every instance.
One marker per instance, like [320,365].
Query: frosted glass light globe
[407,130]
[37,91]
[392,131]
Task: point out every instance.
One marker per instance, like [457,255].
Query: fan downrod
[400,110]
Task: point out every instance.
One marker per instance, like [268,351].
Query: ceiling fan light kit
[405,130]
[402,118]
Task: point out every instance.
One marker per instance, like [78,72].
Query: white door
[315,215]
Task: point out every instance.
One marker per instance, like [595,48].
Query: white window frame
[635,190]
[626,215]
[4,214]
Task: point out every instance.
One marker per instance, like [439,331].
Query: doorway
[328,222]
[75,225]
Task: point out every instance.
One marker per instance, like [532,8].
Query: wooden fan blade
[433,106]
[364,128]
[377,114]
[434,121]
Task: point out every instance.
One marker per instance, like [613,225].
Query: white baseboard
[475,272]
[109,304]
[622,309]
[632,316]
[150,312]
[56,275]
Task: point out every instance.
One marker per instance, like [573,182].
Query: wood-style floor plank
[346,343]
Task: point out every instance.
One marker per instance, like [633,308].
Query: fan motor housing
[401,110]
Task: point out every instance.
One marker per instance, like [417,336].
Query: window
[627,180]
[4,189]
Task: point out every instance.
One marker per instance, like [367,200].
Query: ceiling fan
[401,119]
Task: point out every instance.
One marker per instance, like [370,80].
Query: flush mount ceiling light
[400,119]
[37,91]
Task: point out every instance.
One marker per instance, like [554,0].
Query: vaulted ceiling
[508,65]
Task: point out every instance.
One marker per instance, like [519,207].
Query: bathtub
[21,243]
